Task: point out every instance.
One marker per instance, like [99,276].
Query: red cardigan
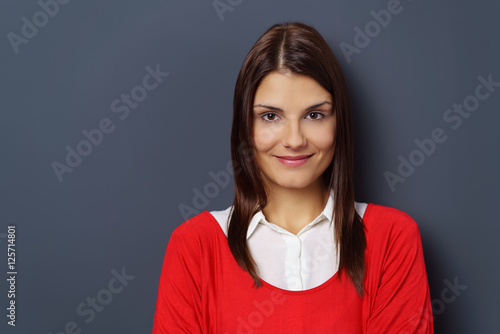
[203,290]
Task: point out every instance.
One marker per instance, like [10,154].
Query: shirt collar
[325,214]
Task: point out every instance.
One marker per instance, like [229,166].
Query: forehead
[289,90]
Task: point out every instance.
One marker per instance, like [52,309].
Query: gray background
[117,208]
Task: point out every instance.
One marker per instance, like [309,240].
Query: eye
[270,117]
[314,115]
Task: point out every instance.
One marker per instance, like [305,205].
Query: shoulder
[191,253]
[380,216]
[196,232]
[386,224]
[393,243]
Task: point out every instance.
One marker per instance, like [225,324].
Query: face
[294,128]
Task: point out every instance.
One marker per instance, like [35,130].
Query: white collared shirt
[288,261]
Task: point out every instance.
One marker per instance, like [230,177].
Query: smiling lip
[293,161]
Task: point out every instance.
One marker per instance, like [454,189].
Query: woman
[294,253]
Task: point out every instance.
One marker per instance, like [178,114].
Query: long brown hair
[298,48]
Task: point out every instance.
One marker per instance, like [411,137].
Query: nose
[292,136]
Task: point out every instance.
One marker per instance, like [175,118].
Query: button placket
[293,277]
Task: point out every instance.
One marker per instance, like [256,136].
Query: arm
[178,306]
[402,300]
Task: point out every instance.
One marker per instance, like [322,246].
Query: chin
[293,182]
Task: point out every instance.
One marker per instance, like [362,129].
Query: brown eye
[270,117]
[315,115]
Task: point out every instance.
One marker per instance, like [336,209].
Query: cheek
[324,139]
[264,138]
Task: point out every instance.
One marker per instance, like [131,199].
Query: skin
[296,194]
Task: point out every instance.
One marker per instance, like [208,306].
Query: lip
[293,160]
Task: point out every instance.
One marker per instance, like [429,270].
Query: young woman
[294,253]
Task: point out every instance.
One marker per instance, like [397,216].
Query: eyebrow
[279,109]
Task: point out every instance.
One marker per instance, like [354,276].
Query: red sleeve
[178,305]
[402,300]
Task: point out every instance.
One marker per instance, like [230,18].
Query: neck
[292,209]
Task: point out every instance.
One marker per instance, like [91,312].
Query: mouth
[294,160]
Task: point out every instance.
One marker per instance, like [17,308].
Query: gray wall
[112,215]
